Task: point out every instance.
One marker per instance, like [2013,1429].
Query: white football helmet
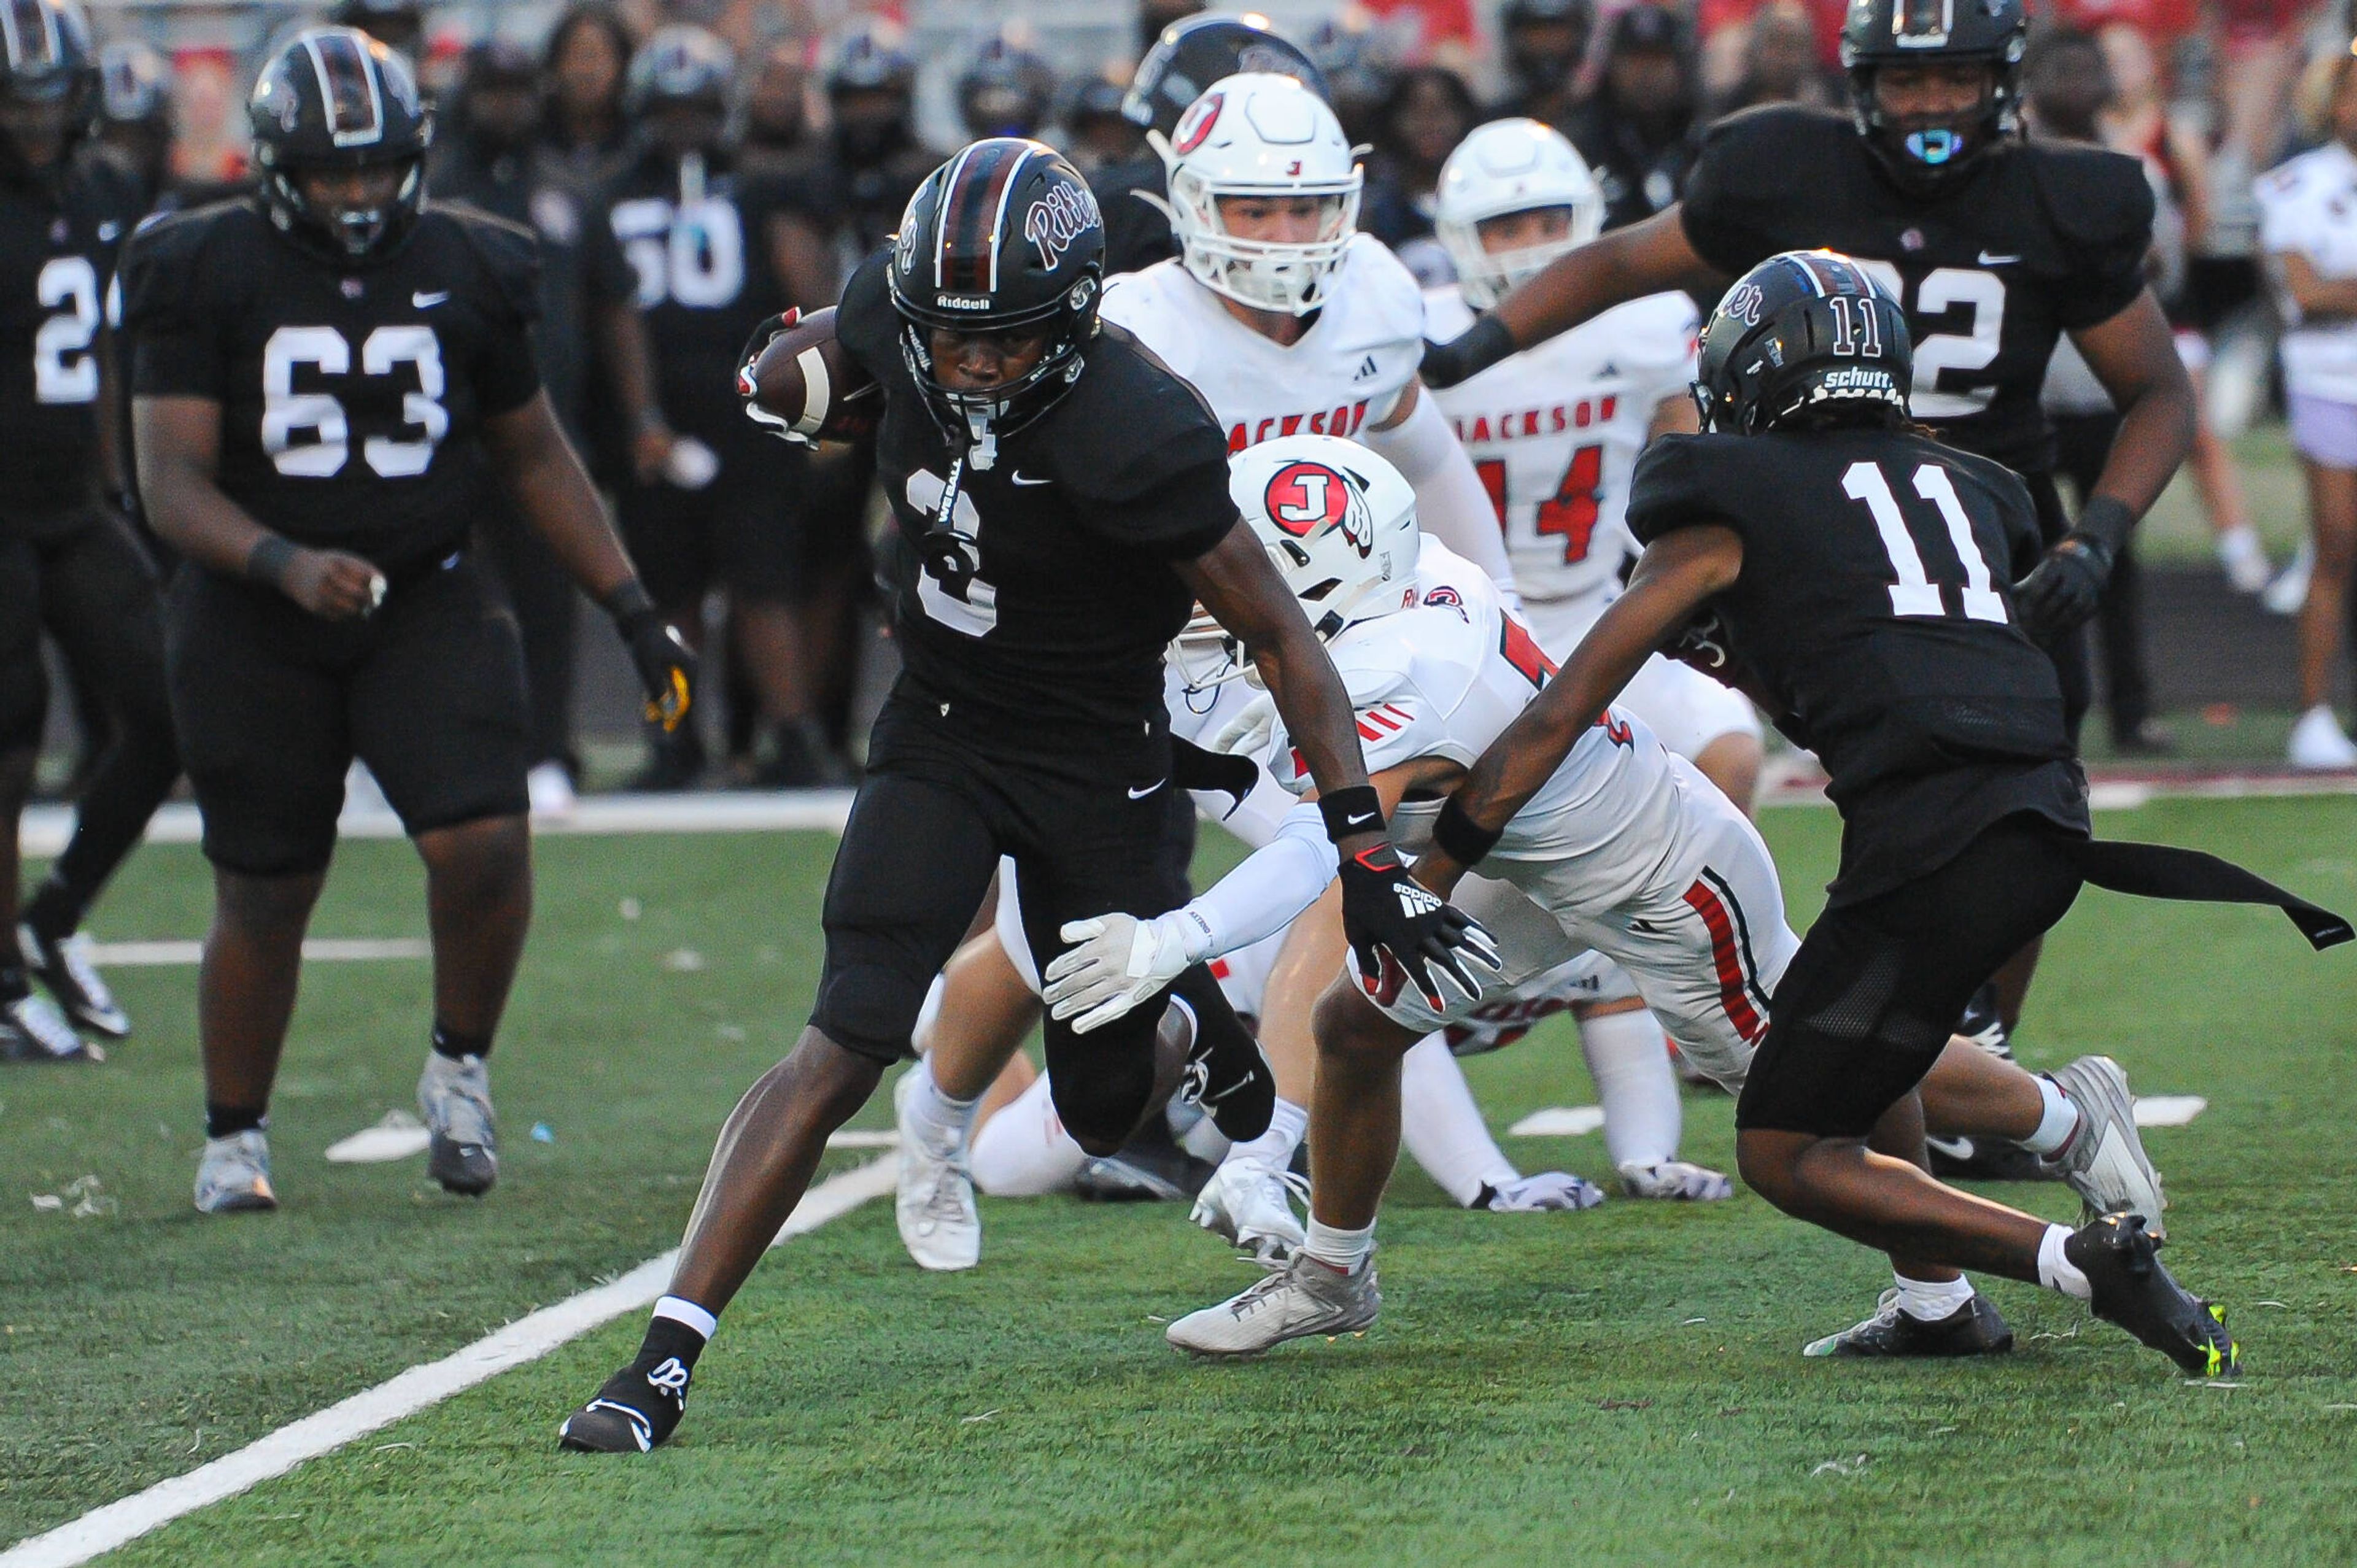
[1511,166]
[1337,521]
[1255,133]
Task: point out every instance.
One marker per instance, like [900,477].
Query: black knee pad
[1103,1087]
[869,1008]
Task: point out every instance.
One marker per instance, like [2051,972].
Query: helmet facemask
[1287,276]
[1510,170]
[1263,192]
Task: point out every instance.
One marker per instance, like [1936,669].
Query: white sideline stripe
[1559,1122]
[44,830]
[526,1339]
[2168,1110]
[316,950]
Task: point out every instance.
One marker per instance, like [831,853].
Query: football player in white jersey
[1554,430]
[1555,433]
[1627,851]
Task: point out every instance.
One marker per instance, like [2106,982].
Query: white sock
[688,1315]
[1023,1150]
[1928,1301]
[1274,1148]
[2057,1271]
[942,1122]
[1443,1128]
[1628,1058]
[2056,1123]
[1344,1251]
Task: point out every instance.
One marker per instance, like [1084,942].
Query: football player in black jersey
[1856,576]
[320,372]
[74,566]
[680,256]
[1993,246]
[1062,500]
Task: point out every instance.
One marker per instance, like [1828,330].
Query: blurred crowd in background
[693,167]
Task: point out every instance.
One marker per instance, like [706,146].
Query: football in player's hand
[803,383]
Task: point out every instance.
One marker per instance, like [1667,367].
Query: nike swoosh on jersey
[428,301]
[1020,477]
[1989,260]
[1151,788]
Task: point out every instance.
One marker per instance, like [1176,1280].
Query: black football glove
[1481,346]
[763,336]
[1397,926]
[2065,587]
[667,666]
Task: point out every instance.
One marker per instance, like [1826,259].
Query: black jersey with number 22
[1872,609]
[1055,636]
[2041,240]
[352,399]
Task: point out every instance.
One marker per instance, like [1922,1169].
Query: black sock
[449,1042]
[228,1121]
[668,1336]
[55,912]
[14,985]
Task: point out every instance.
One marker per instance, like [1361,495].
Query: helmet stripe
[348,87]
[1922,24]
[1006,182]
[31,30]
[942,213]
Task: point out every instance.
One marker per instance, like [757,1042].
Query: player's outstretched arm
[1612,269]
[179,442]
[1678,572]
[2134,355]
[552,490]
[1382,914]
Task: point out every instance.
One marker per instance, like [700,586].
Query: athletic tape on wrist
[1460,837]
[1357,809]
[268,559]
[2106,518]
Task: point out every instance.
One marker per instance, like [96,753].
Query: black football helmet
[49,77]
[134,83]
[1804,339]
[1192,54]
[679,65]
[335,98]
[871,58]
[1005,237]
[1925,156]
[1005,91]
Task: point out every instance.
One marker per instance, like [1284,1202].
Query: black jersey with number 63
[57,261]
[352,399]
[1055,638]
[2039,240]
[1872,609]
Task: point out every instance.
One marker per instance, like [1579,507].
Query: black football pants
[92,587]
[1868,1003]
[1089,835]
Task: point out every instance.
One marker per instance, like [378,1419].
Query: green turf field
[1619,1386]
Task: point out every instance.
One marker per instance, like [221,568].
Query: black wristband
[2108,519]
[1357,809]
[268,559]
[1460,838]
[629,604]
[1485,343]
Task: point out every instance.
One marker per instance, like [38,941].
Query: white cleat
[2104,1162]
[2319,742]
[2289,592]
[934,1207]
[233,1175]
[1302,1298]
[1249,1202]
[1549,1191]
[1674,1181]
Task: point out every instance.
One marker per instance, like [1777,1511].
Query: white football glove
[1675,1180]
[1121,960]
[1247,734]
[1538,1193]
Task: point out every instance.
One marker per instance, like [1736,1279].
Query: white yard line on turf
[526,1339]
[316,950]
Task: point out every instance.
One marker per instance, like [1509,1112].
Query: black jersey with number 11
[1873,610]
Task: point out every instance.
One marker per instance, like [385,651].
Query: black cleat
[1137,1175]
[65,967]
[1228,1075]
[2133,1290]
[635,1412]
[1973,1329]
[674,763]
